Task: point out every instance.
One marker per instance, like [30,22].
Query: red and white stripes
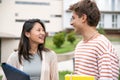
[97,58]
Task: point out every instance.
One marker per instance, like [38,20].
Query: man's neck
[89,33]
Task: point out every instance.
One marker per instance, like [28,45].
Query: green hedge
[62,74]
[71,37]
[59,39]
[0,77]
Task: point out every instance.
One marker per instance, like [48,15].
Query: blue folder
[13,73]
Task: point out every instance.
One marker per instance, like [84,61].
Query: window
[113,5]
[56,15]
[114,20]
[20,20]
[101,22]
[32,3]
[45,21]
[16,14]
[23,20]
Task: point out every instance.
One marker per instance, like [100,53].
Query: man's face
[76,22]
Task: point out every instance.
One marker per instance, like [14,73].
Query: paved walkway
[65,65]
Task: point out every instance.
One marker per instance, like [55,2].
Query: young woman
[32,57]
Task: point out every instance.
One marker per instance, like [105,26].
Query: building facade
[110,14]
[54,14]
[13,13]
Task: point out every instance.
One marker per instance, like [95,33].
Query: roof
[111,12]
[7,35]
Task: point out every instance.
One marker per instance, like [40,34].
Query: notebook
[13,73]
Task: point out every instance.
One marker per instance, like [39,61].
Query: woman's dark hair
[24,46]
[89,8]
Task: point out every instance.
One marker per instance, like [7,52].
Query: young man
[94,55]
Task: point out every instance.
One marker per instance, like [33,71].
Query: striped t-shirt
[98,58]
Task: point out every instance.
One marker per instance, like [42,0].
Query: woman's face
[37,34]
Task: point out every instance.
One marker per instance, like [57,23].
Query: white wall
[104,5]
[118,22]
[67,20]
[67,15]
[117,5]
[7,47]
[44,13]
[7,17]
[107,21]
[8,25]
[8,9]
[55,22]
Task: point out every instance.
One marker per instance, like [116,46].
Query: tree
[71,37]
[59,39]
[101,30]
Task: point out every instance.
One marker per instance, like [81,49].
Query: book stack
[78,77]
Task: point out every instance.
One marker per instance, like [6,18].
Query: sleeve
[54,67]
[104,67]
[13,59]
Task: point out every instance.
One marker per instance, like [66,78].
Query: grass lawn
[62,74]
[113,38]
[0,77]
[67,46]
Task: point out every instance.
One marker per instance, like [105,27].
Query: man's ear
[27,34]
[84,18]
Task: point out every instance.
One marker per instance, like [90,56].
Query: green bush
[59,39]
[71,37]
[0,77]
[101,30]
[62,74]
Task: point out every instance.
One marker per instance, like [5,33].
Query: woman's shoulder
[50,53]
[13,56]
[50,56]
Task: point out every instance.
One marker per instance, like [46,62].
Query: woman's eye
[38,30]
